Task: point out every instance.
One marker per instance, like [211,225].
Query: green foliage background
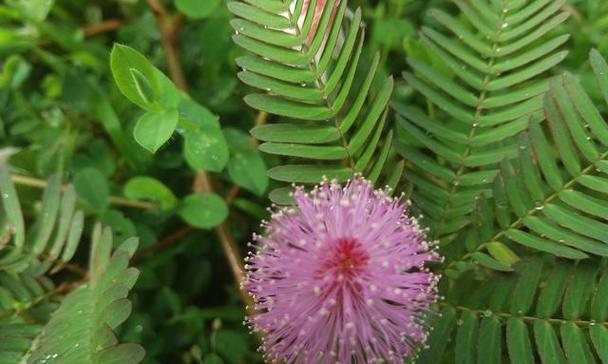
[68,106]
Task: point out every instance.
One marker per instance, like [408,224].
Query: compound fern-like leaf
[496,54]
[553,196]
[529,316]
[308,66]
[81,330]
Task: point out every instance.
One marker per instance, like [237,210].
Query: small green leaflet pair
[39,323]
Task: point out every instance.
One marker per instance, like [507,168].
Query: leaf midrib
[322,87]
[474,127]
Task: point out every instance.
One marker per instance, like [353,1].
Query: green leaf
[141,82]
[10,203]
[518,342]
[489,262]
[206,150]
[575,345]
[203,210]
[599,338]
[290,133]
[309,173]
[466,338]
[92,187]
[232,345]
[205,147]
[154,128]
[36,10]
[547,343]
[309,74]
[197,9]
[134,75]
[489,346]
[144,187]
[81,330]
[502,253]
[246,166]
[443,326]
[579,291]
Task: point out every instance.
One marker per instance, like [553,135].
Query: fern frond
[497,58]
[308,71]
[553,197]
[530,316]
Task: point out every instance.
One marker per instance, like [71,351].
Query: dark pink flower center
[347,257]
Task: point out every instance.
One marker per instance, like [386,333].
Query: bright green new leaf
[34,9]
[154,128]
[144,187]
[141,82]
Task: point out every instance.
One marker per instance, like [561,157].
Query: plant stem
[115,200]
[104,26]
[169,26]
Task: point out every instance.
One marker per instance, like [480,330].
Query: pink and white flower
[341,277]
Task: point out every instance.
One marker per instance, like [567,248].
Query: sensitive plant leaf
[10,202]
[304,62]
[82,328]
[551,196]
[493,85]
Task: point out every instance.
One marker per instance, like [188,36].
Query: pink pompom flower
[340,278]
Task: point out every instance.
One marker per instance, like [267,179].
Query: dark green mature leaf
[81,330]
[197,9]
[92,187]
[531,329]
[205,147]
[558,204]
[246,166]
[496,63]
[203,210]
